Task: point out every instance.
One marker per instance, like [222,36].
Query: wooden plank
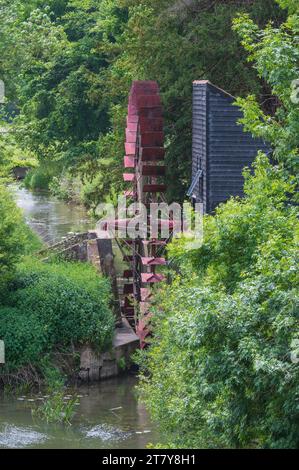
[152,139]
[131,136]
[132,127]
[132,119]
[153,170]
[128,289]
[154,188]
[151,278]
[145,294]
[148,101]
[152,154]
[129,177]
[130,148]
[151,125]
[151,113]
[128,311]
[130,194]
[153,261]
[129,161]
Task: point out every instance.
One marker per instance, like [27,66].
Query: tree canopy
[69,65]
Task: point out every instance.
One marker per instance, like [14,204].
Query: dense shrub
[16,238]
[66,187]
[244,230]
[37,179]
[63,304]
[25,338]
[224,360]
[12,235]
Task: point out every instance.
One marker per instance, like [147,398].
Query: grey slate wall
[220,146]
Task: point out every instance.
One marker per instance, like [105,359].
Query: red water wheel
[144,173]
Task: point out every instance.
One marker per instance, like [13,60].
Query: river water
[50,218]
[108,414]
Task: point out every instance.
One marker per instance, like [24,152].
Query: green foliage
[222,370]
[275,53]
[69,67]
[12,156]
[54,306]
[66,187]
[33,242]
[25,338]
[291,5]
[37,179]
[108,175]
[12,235]
[236,237]
[222,374]
[176,44]
[62,113]
[53,378]
[56,409]
[121,364]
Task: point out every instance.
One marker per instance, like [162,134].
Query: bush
[25,338]
[12,235]
[66,187]
[224,368]
[64,304]
[224,361]
[37,179]
[242,229]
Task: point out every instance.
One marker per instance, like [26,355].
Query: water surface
[50,218]
[108,416]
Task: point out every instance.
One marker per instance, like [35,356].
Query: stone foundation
[95,367]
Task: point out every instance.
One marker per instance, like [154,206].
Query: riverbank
[107,414]
[53,308]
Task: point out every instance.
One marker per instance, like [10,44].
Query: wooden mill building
[221,149]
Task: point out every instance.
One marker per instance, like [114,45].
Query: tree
[222,370]
[12,236]
[176,43]
[69,65]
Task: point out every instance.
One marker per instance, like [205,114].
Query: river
[108,414]
[50,218]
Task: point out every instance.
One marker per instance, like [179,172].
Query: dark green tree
[222,370]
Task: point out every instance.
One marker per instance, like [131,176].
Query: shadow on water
[108,417]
